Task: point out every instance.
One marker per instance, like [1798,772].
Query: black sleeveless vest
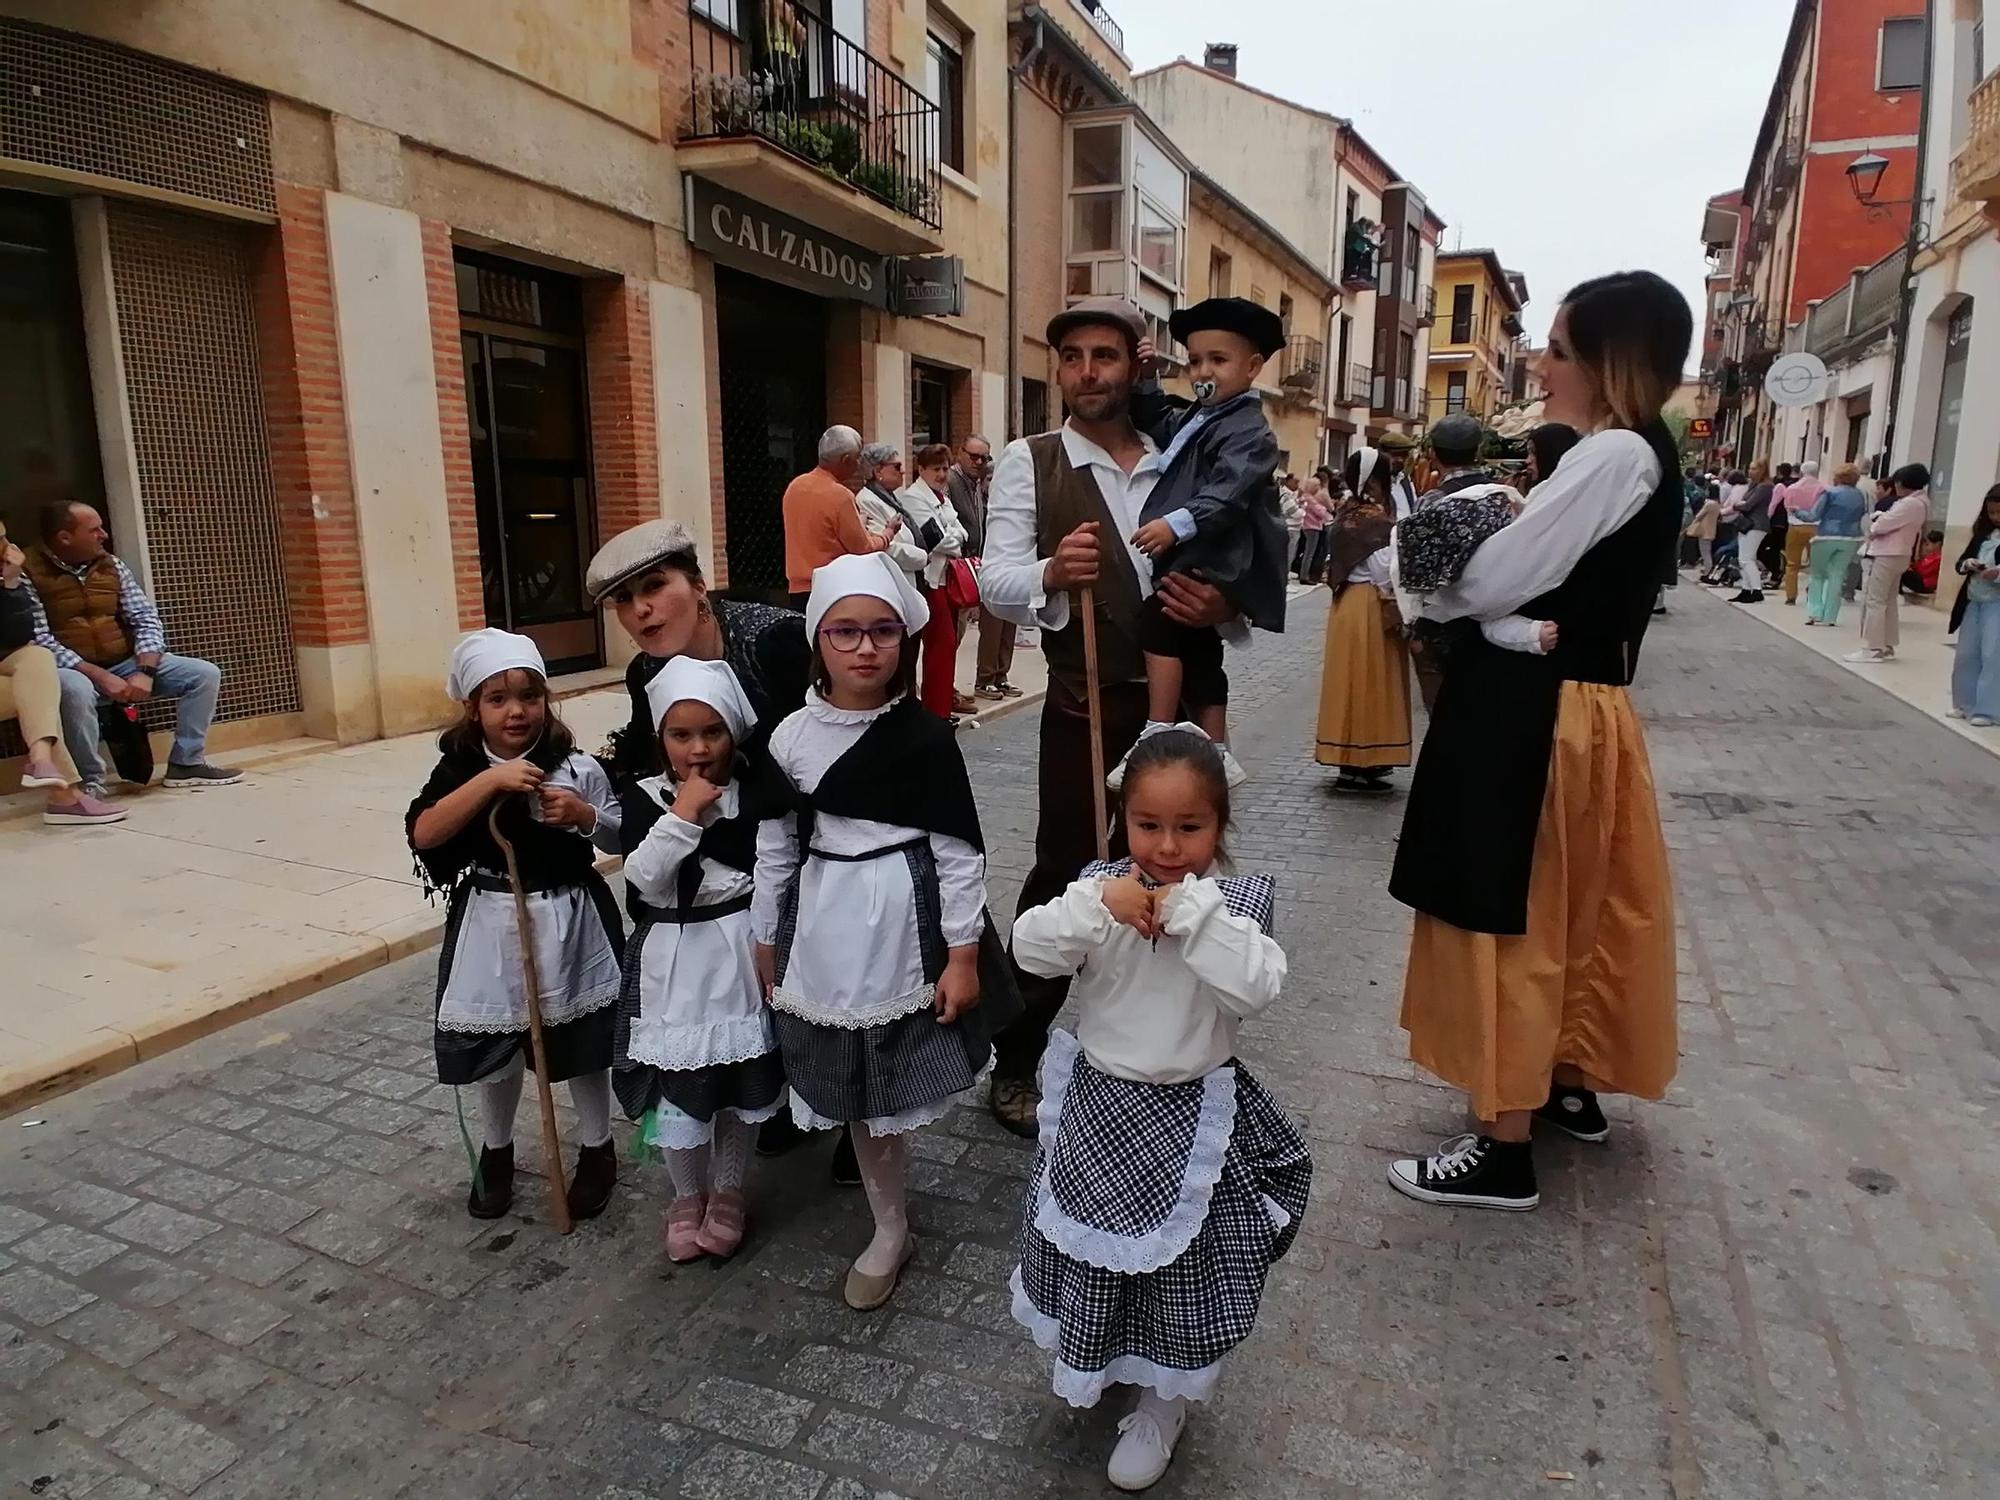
[1468,840]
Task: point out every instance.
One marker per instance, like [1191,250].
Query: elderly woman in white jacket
[931,538]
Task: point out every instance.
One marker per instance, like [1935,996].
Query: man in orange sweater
[821,522]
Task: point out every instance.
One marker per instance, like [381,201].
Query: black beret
[1232,315]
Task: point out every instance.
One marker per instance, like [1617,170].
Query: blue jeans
[194,682]
[1975,670]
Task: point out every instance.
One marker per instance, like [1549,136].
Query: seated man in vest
[108,641]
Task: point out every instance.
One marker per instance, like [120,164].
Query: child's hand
[1154,538]
[766,959]
[562,808]
[1548,636]
[1132,904]
[958,985]
[696,796]
[514,776]
[1147,361]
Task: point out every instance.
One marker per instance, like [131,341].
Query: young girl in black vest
[697,1060]
[874,945]
[1167,1181]
[511,746]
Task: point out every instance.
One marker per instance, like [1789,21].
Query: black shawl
[549,857]
[1958,605]
[727,841]
[905,769]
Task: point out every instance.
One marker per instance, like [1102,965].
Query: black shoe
[1747,596]
[778,1136]
[1575,1112]
[1362,783]
[596,1175]
[493,1188]
[846,1171]
[1471,1171]
[201,774]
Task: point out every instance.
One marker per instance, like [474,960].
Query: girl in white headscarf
[510,746]
[697,1060]
[885,977]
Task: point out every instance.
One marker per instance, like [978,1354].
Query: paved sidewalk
[204,908]
[1920,674]
[245,1270]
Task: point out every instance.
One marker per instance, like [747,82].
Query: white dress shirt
[1162,1011]
[1011,583]
[1602,483]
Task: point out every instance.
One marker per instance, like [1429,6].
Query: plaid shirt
[136,613]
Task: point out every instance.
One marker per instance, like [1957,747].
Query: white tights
[883,1160]
[500,1100]
[696,1171]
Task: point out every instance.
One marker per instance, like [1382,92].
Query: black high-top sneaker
[493,1193]
[1471,1171]
[1574,1112]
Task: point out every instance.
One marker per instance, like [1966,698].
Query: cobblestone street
[245,1270]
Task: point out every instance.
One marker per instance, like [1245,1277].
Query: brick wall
[305,421]
[448,360]
[624,436]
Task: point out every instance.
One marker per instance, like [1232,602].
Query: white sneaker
[1954,713]
[1980,721]
[1232,771]
[1146,1443]
[1866,654]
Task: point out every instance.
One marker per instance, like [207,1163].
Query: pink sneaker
[722,1228]
[84,812]
[683,1232]
[40,773]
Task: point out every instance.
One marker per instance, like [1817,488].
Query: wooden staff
[1087,601]
[532,983]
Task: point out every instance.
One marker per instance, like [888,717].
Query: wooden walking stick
[531,981]
[1087,601]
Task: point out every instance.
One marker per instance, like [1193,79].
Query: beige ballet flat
[865,1293]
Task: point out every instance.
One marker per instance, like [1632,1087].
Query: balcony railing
[1107,28]
[1359,266]
[1975,172]
[768,69]
[1360,386]
[1864,306]
[1300,364]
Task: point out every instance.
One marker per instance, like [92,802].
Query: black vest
[1468,840]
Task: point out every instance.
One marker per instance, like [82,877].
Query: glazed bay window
[944,86]
[1126,227]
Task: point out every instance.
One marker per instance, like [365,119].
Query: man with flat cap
[1060,515]
[1397,447]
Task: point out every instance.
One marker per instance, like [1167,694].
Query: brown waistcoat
[83,612]
[1065,498]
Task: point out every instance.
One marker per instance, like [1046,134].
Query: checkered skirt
[1154,1214]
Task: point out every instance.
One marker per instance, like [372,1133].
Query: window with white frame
[1900,63]
[1126,225]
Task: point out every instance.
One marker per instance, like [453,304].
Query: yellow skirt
[1590,985]
[1364,686]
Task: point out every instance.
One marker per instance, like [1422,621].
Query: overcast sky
[1572,136]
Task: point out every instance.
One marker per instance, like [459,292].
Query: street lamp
[1864,177]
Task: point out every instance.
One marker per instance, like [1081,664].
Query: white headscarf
[1369,457]
[712,682]
[486,652]
[872,574]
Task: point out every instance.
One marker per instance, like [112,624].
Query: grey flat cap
[1458,434]
[637,551]
[1099,312]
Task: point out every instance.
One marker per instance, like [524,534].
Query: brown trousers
[1065,841]
[996,649]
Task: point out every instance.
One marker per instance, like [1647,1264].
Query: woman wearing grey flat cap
[651,575]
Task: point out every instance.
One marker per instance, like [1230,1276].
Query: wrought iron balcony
[1358,272]
[766,69]
[1107,28]
[1300,364]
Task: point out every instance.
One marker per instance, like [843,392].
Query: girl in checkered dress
[1167,1181]
[885,976]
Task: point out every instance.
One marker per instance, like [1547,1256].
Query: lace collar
[826,713]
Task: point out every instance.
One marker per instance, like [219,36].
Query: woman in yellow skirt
[1541,969]
[1364,685]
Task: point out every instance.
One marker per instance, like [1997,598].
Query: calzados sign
[742,233]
